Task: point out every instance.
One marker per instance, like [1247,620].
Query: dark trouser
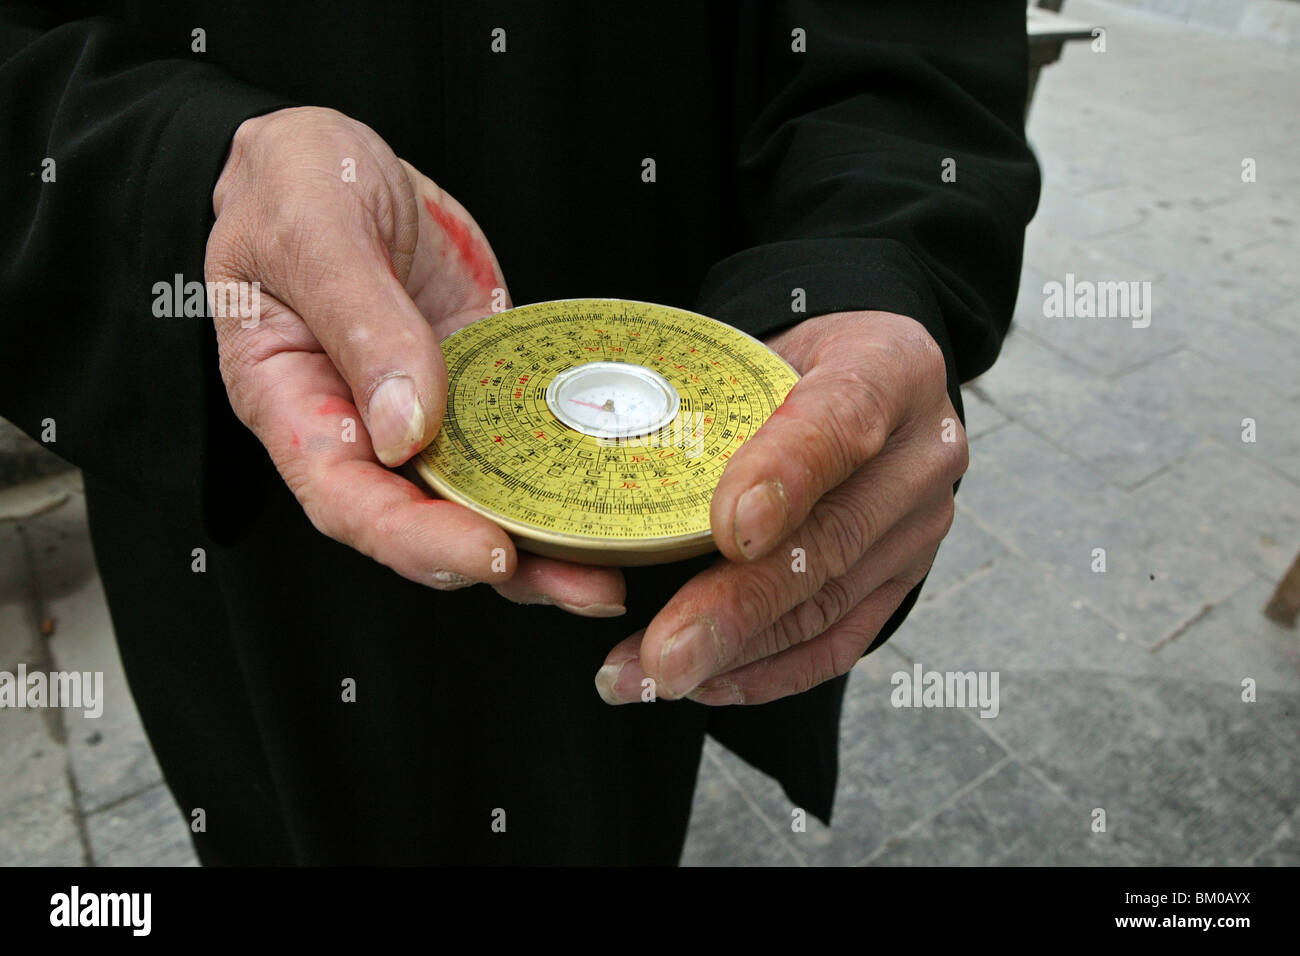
[469,710]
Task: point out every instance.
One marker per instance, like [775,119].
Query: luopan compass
[595,430]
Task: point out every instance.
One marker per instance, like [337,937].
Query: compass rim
[532,532]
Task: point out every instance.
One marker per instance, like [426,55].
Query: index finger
[836,418]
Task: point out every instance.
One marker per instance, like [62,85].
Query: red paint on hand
[472,252]
[336,406]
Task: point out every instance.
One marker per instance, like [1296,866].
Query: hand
[854,469]
[361,277]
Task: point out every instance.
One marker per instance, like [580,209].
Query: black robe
[797,145]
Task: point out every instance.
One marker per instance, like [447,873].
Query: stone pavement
[1118,691]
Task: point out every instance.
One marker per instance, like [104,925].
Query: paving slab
[1283,848]
[1053,254]
[1056,511]
[1286,321]
[1094,348]
[1249,511]
[1219,303]
[38,813]
[1234,641]
[1010,818]
[110,755]
[1014,618]
[1105,424]
[1185,771]
[17,626]
[145,830]
[1215,398]
[39,823]
[1266,349]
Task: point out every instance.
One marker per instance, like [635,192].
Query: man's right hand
[364,266]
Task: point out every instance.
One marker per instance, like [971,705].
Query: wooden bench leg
[1284,606]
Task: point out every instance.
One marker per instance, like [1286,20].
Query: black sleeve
[842,160]
[137,138]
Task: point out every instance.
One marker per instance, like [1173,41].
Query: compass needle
[595,430]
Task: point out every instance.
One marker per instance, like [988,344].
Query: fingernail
[620,682]
[396,419]
[449,580]
[527,599]
[594,610]
[586,610]
[607,680]
[760,518]
[690,655]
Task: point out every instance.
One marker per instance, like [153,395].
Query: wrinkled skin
[360,281]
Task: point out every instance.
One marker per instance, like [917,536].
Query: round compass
[595,430]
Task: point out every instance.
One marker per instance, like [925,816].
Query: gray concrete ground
[1119,692]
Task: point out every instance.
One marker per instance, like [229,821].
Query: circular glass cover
[612,399]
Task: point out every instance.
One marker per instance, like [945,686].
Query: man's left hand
[826,518]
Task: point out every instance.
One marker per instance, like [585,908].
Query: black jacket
[776,169]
